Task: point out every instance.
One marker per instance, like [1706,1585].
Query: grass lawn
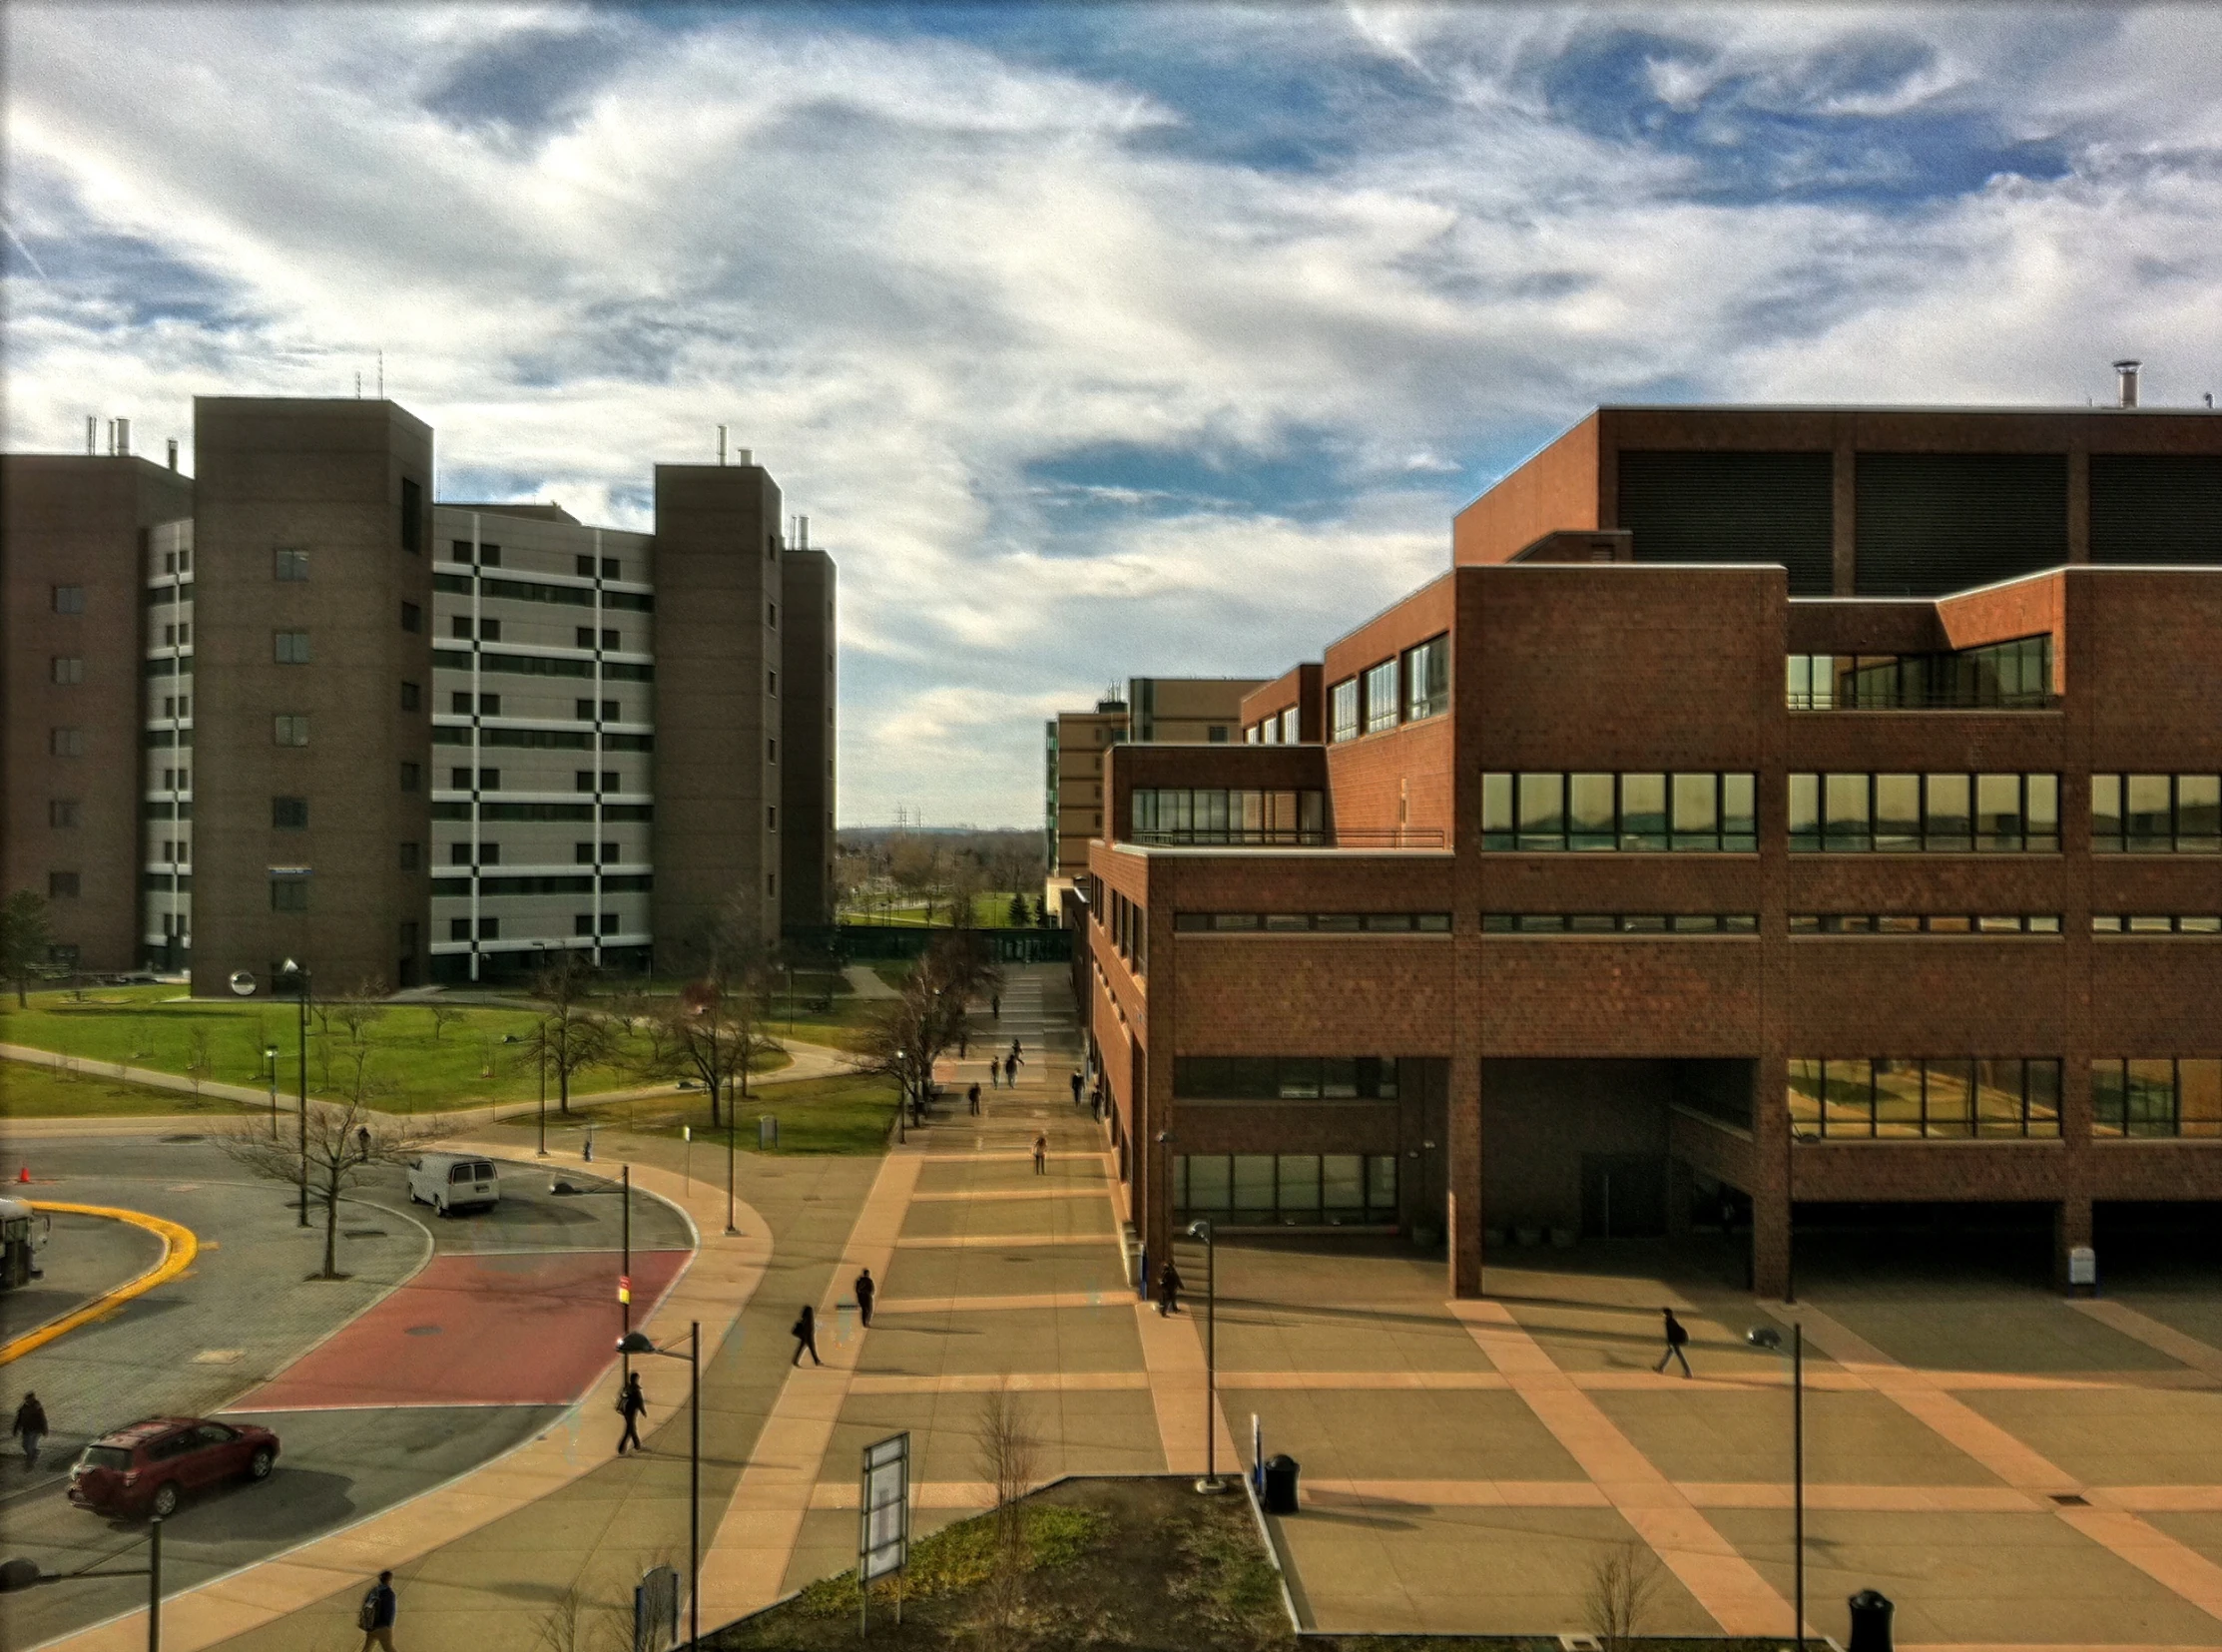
[990,911]
[155,1026]
[48,1093]
[848,1113]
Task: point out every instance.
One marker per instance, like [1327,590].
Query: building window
[1343,710]
[489,780]
[458,626]
[1705,811]
[458,854]
[610,712]
[582,923]
[1921,923]
[610,568]
[609,924]
[1287,1189]
[583,710]
[489,630]
[610,641]
[585,633]
[1285,1078]
[585,568]
[1381,696]
[2156,814]
[290,814]
[489,855]
[583,853]
[2009,676]
[289,729]
[1216,734]
[65,743]
[69,669]
[1428,679]
[458,929]
[60,886]
[1179,814]
[772,683]
[412,617]
[2180,924]
[1955,1098]
[489,928]
[585,780]
[69,599]
[62,814]
[458,779]
[410,853]
[458,704]
[289,648]
[1619,924]
[412,516]
[772,818]
[771,883]
[610,780]
[771,615]
[289,564]
[288,894]
[1849,813]
[413,776]
[2157,1097]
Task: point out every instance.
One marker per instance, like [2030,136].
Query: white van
[449,1181]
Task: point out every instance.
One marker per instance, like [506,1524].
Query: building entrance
[1623,1195]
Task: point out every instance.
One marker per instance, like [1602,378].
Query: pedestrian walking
[586,1153]
[1012,1064]
[30,1424]
[1095,1103]
[1015,1048]
[963,1042]
[1041,1154]
[632,1406]
[994,1073]
[974,1096]
[1169,1290]
[865,1291]
[1076,1089]
[1676,1338]
[996,1005]
[375,1617]
[806,1337]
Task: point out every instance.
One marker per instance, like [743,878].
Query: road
[451,1341]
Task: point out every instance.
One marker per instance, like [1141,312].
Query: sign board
[625,1288]
[2082,1266]
[656,1610]
[883,1526]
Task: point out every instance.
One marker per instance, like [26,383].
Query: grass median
[36,1092]
[847,1113]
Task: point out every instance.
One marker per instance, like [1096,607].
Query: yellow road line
[179,1245]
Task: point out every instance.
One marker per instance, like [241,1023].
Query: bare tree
[445,1015]
[1623,1586]
[1009,1457]
[360,1009]
[345,1139]
[709,1033]
[572,1033]
[926,1019]
[199,1062]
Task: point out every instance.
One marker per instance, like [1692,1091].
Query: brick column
[2071,1225]
[1462,1217]
[1771,1190]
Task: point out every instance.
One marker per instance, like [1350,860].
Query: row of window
[489,928]
[2000,676]
[1284,1077]
[2157,923]
[461,704]
[1129,924]
[1955,1098]
[1407,688]
[569,596]
[2157,1097]
[488,853]
[1625,923]
[489,780]
[1920,923]
[1287,1189]
[1214,815]
[545,739]
[1577,811]
[611,814]
[1340,924]
[165,595]
[2156,814]
[1281,728]
[544,665]
[489,556]
[1941,814]
[560,883]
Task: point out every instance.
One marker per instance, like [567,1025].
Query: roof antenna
[381,376]
[358,385]
[721,444]
[92,433]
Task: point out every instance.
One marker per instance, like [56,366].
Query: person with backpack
[974,1096]
[375,1617]
[866,1288]
[1076,1083]
[1676,1338]
[632,1406]
[1041,1154]
[1169,1290]
[804,1333]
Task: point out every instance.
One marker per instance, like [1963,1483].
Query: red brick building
[1768,807]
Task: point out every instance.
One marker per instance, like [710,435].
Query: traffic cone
[23,1173]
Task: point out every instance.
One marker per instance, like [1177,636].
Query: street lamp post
[541,1038]
[632,1343]
[1768,1338]
[731,1105]
[1211,1482]
[300,972]
[270,1061]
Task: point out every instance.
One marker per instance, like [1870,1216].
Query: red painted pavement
[526,1330]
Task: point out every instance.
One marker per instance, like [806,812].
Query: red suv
[148,1468]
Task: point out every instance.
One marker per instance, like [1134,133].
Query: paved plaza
[2011,1469]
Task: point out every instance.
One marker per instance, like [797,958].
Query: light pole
[1768,1338]
[300,972]
[632,1343]
[540,1038]
[1211,1482]
[732,1104]
[270,1061]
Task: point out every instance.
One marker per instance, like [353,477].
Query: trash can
[1281,1485]
[1870,1622]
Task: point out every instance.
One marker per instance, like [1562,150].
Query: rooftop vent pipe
[803,532]
[173,453]
[747,457]
[123,437]
[721,444]
[91,435]
[2129,371]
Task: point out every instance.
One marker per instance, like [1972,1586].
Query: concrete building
[421,742]
[1172,710]
[1747,822]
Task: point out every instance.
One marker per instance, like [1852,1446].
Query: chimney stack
[803,532]
[2129,371]
[721,444]
[173,453]
[123,437]
[91,435]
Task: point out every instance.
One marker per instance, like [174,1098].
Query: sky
[1096,341]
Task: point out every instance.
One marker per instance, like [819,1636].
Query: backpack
[366,1615]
